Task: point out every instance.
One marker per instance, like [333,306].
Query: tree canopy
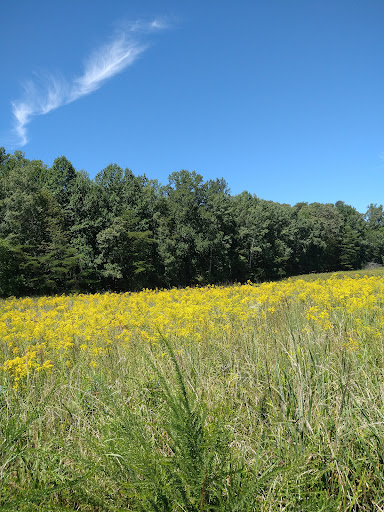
[61,231]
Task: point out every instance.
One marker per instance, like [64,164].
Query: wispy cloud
[49,92]
[104,64]
[41,95]
[152,26]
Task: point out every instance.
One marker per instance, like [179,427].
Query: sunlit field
[241,398]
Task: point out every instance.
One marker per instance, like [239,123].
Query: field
[242,398]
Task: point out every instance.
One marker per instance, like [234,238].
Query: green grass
[291,422]
[370,272]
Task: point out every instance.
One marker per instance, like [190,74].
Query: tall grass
[287,418]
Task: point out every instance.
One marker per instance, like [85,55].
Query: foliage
[62,231]
[174,456]
[257,398]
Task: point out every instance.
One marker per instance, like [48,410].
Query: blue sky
[283,98]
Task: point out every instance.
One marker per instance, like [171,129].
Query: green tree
[350,257]
[353,243]
[34,222]
[178,224]
[60,179]
[11,259]
[124,254]
[194,228]
[265,237]
[374,221]
[320,228]
[216,245]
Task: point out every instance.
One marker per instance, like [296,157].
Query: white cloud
[104,64]
[22,113]
[50,92]
[148,27]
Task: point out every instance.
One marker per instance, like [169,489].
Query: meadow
[249,397]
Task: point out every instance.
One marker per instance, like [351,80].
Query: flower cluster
[37,335]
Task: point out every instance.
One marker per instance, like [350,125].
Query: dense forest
[61,231]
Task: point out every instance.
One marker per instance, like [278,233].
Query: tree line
[61,231]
